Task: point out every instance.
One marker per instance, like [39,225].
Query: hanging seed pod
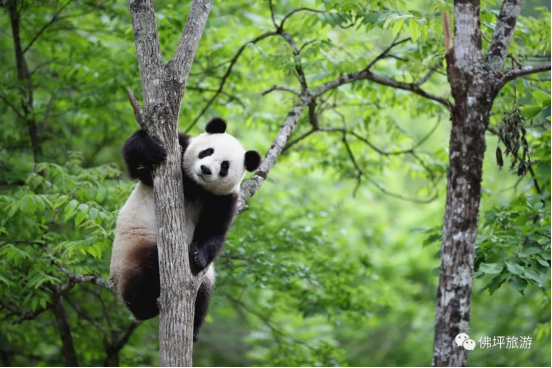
[522,169]
[499,160]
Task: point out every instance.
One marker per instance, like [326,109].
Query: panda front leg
[201,307]
[140,153]
[211,229]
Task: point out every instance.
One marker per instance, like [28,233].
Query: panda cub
[213,166]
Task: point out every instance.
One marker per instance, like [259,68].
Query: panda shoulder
[184,140]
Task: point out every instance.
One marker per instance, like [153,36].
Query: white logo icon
[460,338]
[469,344]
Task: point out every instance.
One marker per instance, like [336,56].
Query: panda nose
[205,170]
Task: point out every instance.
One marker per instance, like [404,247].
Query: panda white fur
[213,166]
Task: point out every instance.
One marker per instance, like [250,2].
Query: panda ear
[252,160]
[216,125]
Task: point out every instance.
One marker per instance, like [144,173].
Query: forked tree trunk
[474,83]
[163,86]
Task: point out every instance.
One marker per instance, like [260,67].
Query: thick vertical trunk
[163,86]
[466,150]
[64,328]
[24,76]
[467,74]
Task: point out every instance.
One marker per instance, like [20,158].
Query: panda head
[217,161]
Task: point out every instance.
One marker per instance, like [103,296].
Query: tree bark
[69,353]
[25,77]
[163,87]
[474,82]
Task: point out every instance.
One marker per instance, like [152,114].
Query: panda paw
[155,154]
[199,263]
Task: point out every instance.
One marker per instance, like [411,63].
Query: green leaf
[530,111]
[532,276]
[491,268]
[398,26]
[542,98]
[514,268]
[61,200]
[414,29]
[518,284]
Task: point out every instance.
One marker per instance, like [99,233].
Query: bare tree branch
[185,53]
[226,75]
[512,74]
[41,31]
[277,88]
[504,30]
[295,11]
[77,278]
[430,73]
[148,51]
[365,74]
[251,186]
[386,51]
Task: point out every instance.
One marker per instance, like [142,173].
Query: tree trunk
[69,352]
[163,86]
[470,117]
[474,83]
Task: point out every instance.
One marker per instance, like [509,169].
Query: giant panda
[213,166]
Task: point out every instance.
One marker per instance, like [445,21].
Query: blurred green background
[323,269]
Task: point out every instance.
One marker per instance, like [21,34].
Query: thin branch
[272,13]
[386,51]
[77,278]
[277,88]
[515,60]
[47,113]
[365,74]
[305,45]
[251,186]
[187,47]
[429,73]
[298,139]
[226,75]
[12,106]
[24,316]
[512,74]
[295,11]
[401,197]
[231,97]
[138,113]
[504,30]
[150,61]
[448,33]
[298,67]
[54,18]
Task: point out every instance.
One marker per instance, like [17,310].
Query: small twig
[138,113]
[448,33]
[429,73]
[515,60]
[384,53]
[297,11]
[272,14]
[277,88]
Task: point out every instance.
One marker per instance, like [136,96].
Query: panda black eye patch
[224,168]
[206,153]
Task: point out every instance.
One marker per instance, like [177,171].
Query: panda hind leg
[142,287]
[201,307]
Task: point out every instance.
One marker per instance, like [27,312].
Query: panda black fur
[213,166]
